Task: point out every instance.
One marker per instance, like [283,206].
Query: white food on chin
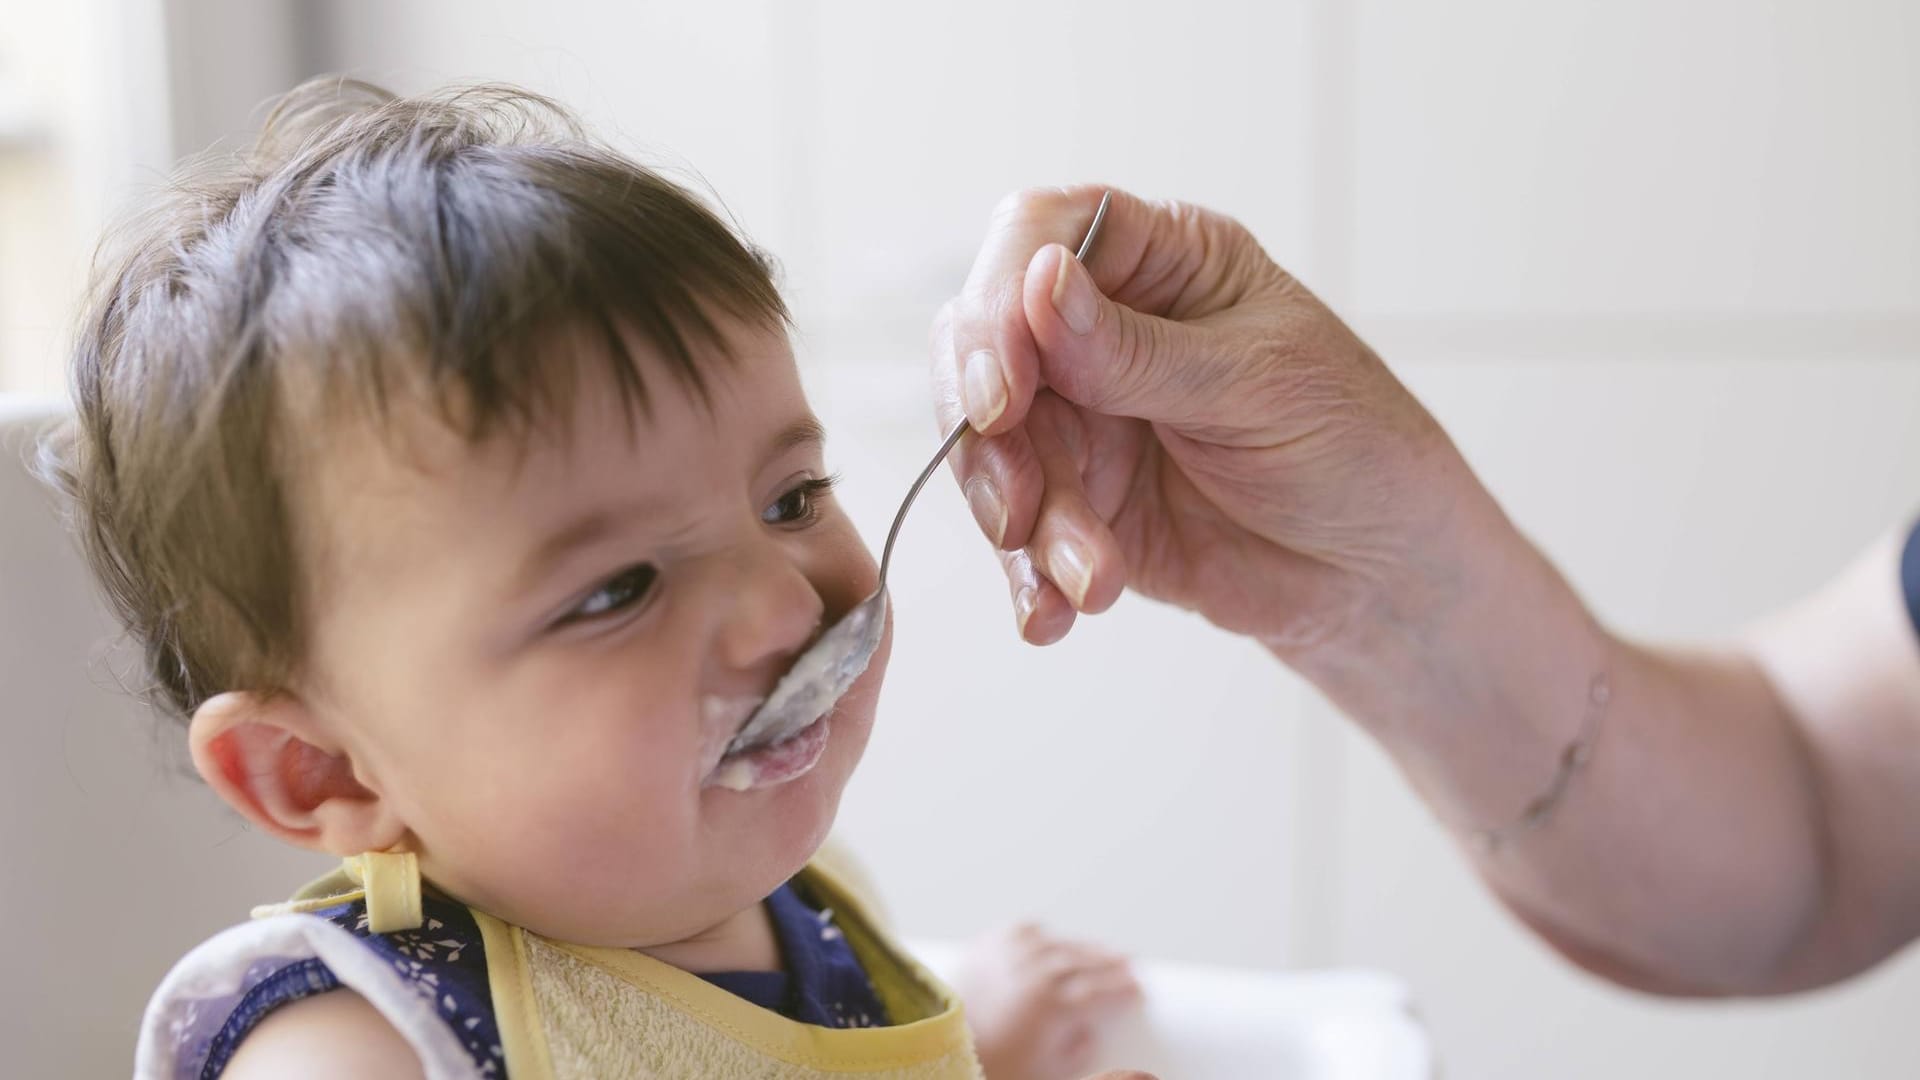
[816,680]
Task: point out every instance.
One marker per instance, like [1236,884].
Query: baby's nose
[773,611]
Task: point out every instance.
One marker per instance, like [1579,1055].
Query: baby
[455,475]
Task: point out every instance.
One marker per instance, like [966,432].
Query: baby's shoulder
[427,987]
[336,1034]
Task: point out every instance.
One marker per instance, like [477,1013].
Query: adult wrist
[1397,610]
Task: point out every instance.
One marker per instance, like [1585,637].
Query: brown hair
[364,244]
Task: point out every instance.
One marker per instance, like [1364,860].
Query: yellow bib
[575,1012]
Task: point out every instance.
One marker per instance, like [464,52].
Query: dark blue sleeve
[1910,576]
[444,960]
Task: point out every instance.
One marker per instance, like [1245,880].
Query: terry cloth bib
[570,1012]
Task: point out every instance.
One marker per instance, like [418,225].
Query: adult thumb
[1107,357]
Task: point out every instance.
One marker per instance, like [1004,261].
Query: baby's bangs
[533,271]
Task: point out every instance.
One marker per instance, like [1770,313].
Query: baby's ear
[270,759]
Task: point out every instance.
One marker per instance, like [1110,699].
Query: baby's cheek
[582,851]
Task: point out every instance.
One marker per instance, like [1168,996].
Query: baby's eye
[799,505]
[621,591]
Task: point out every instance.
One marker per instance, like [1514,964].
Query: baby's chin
[784,825]
[786,822]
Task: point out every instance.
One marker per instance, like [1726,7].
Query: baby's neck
[742,942]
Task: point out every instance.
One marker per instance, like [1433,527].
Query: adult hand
[1183,417]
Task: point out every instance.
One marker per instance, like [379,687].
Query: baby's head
[455,474]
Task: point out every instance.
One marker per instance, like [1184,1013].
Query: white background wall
[1656,265]
[83,120]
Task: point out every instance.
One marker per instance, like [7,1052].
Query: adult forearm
[1684,854]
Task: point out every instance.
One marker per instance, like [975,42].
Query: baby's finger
[1109,990]
[1086,949]
[1040,610]
[1063,961]
[1097,955]
[1077,1045]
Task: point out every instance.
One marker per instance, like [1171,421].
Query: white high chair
[118,860]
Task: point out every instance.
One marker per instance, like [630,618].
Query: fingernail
[988,508]
[1075,571]
[1073,295]
[984,390]
[1023,605]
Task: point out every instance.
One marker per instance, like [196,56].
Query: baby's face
[537,655]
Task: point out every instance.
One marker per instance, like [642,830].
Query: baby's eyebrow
[805,431]
[582,531]
[606,520]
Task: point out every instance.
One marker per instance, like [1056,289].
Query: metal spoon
[831,664]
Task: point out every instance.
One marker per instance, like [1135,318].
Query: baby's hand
[1037,1003]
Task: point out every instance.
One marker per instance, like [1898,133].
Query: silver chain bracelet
[1576,754]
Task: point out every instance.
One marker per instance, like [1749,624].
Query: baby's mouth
[771,764]
[763,763]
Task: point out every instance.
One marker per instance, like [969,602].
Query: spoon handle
[959,429]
